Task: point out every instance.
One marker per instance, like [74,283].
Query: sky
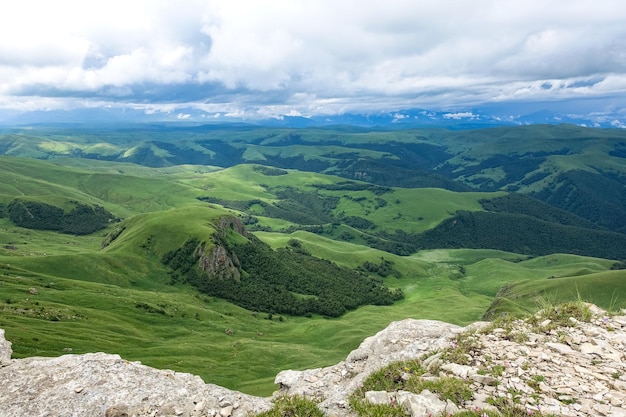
[273,58]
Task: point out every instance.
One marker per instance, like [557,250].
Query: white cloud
[310,57]
[460,115]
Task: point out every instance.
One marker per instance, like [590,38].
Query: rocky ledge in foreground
[99,384]
[573,370]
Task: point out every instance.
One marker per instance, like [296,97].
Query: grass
[293,406]
[192,336]
[117,299]
[561,315]
[424,374]
[606,289]
[408,376]
[412,210]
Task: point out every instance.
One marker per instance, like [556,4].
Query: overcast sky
[272,57]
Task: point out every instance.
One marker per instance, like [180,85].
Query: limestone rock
[579,370]
[5,350]
[402,340]
[425,404]
[99,384]
[116,411]
[219,263]
[417,405]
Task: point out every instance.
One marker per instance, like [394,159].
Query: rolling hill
[487,221]
[577,169]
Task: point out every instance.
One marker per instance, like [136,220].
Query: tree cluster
[521,234]
[526,205]
[81,220]
[595,197]
[283,281]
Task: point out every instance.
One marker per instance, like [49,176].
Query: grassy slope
[117,299]
[409,209]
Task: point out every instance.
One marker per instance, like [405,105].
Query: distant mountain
[470,118]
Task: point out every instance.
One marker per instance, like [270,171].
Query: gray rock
[425,404]
[561,348]
[108,384]
[226,411]
[402,340]
[379,397]
[462,371]
[5,350]
[484,379]
[417,405]
[586,377]
[116,411]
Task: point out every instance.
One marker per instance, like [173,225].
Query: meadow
[109,291]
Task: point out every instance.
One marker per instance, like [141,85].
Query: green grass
[248,360]
[123,195]
[606,289]
[408,209]
[103,289]
[293,406]
[117,299]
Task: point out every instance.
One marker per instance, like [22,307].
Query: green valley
[233,252]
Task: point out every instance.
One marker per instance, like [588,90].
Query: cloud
[460,115]
[281,57]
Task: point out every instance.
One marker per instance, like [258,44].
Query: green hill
[422,213]
[577,169]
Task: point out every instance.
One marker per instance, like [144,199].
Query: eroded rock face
[233,223]
[218,263]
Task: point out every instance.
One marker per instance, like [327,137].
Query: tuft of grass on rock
[450,388]
[365,409]
[293,406]
[406,376]
[462,348]
[561,315]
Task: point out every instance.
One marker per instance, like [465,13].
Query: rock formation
[99,384]
[566,371]
[234,223]
[402,340]
[215,259]
[5,350]
[218,262]
[579,370]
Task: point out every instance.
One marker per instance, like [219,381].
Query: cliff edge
[542,367]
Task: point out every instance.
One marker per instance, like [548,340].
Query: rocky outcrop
[234,223]
[566,371]
[402,340]
[218,262]
[215,259]
[98,384]
[579,370]
[5,350]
